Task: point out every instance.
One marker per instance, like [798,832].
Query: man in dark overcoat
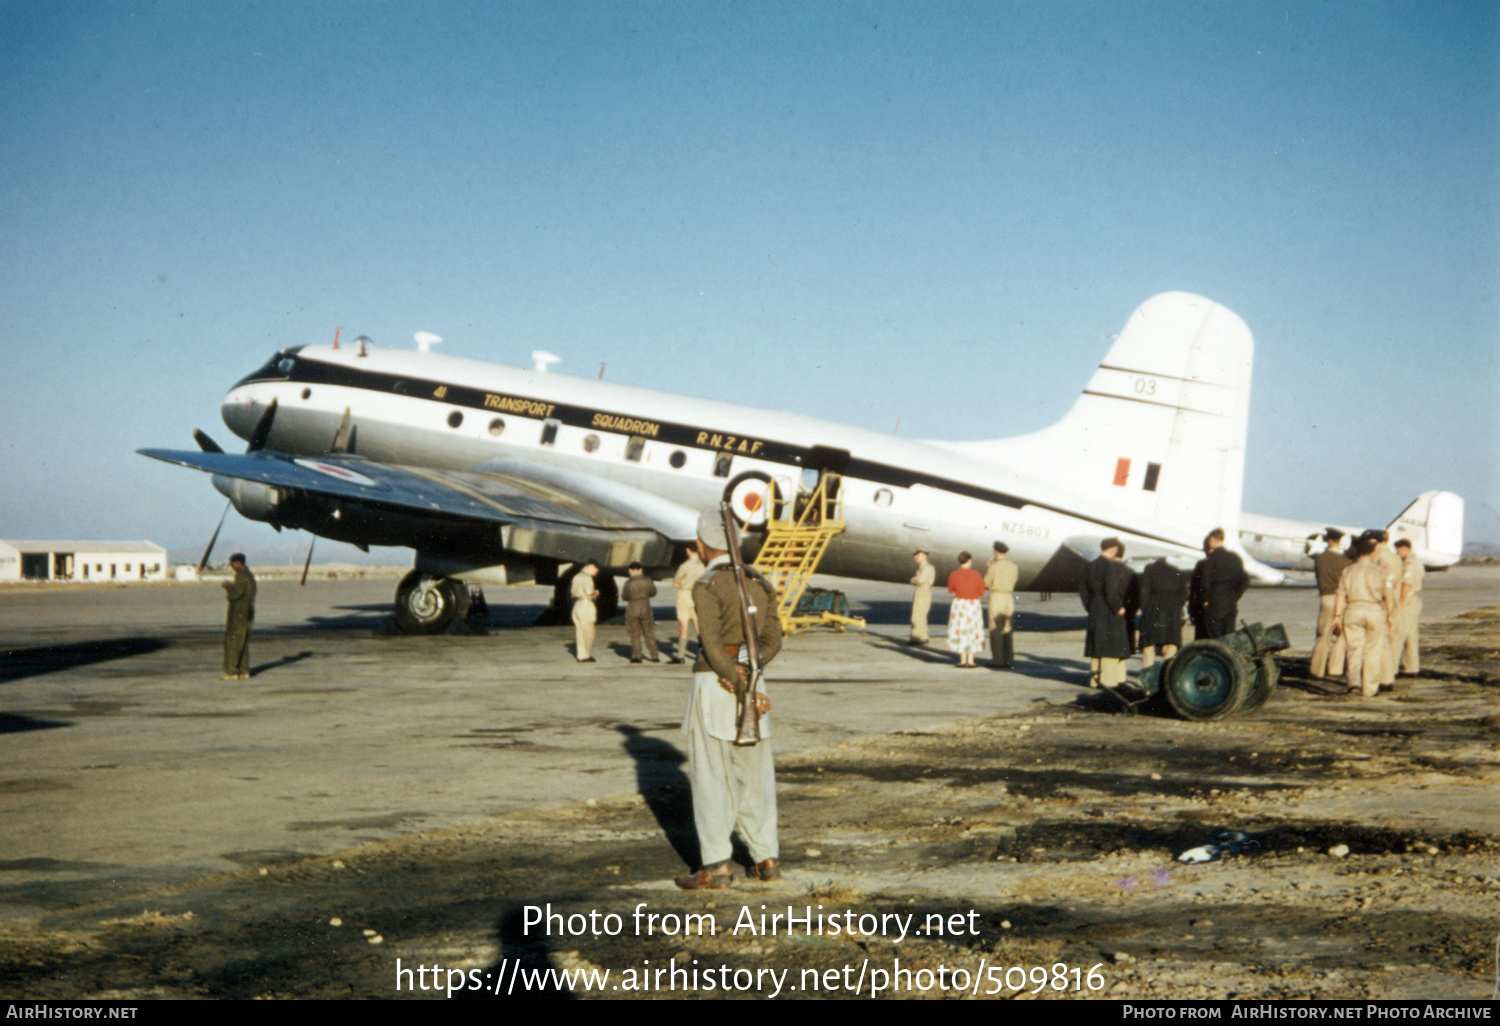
[1164,590]
[1104,590]
[1224,581]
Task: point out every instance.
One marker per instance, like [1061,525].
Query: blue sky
[932,212]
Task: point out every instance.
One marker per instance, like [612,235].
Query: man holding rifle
[729,750]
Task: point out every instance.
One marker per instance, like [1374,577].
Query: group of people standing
[1368,610]
[967,622]
[640,622]
[1113,594]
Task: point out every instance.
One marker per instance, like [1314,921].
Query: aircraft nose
[238,411]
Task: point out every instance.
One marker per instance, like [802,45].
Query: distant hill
[1475,548]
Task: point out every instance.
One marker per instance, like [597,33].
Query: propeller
[263,428]
[308,563]
[204,561]
[257,442]
[343,438]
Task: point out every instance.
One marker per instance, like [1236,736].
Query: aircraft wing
[524,500]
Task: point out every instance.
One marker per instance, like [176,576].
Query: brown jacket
[716,598]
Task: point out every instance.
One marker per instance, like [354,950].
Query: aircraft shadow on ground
[16,663]
[14,723]
[893,613]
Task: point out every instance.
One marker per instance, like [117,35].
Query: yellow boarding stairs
[797,535]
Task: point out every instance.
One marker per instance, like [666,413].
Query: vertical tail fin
[1160,430]
[1434,524]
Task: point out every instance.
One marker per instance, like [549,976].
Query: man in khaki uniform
[1408,610]
[734,786]
[1000,579]
[683,580]
[1329,566]
[584,612]
[921,600]
[1362,611]
[1391,563]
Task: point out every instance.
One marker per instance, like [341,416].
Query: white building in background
[82,561]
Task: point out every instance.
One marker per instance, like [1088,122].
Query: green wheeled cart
[1212,679]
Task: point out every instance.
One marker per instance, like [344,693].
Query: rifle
[747,715]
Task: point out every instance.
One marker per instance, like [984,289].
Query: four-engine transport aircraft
[500,475]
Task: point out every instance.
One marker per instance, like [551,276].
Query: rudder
[1160,429]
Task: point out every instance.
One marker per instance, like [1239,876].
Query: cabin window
[455,419]
[591,443]
[635,448]
[1153,471]
[677,459]
[883,497]
[497,426]
[721,464]
[307,393]
[549,431]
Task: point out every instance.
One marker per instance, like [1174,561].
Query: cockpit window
[277,368]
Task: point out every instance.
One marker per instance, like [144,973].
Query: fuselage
[421,409]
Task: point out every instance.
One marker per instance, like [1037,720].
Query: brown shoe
[765,871]
[709,878]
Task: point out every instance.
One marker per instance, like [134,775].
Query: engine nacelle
[253,500]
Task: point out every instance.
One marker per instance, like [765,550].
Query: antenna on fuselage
[425,341]
[543,359]
[364,342]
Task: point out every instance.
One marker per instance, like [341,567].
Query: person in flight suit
[638,592]
[734,786]
[240,593]
[1000,579]
[921,599]
[1329,566]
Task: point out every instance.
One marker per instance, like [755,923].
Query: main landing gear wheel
[429,605]
[1205,681]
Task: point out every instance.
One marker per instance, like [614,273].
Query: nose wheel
[429,605]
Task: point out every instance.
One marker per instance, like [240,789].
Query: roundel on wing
[336,472]
[751,497]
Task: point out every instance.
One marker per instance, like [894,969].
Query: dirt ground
[1039,852]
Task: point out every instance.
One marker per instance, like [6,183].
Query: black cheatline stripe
[1157,374]
[1151,402]
[314,372]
